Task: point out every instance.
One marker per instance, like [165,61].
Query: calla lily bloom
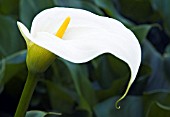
[85,37]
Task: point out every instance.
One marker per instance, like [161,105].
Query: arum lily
[82,37]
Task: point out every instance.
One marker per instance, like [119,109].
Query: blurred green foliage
[90,89]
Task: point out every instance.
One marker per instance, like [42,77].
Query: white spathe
[87,36]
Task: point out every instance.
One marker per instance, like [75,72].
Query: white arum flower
[86,37]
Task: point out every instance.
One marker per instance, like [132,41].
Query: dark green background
[90,89]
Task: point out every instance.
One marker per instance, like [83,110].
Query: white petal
[87,36]
[51,19]
[24,31]
[91,45]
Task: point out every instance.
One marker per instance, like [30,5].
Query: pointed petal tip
[24,32]
[124,95]
[116,104]
[19,23]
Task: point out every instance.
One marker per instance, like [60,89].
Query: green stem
[28,90]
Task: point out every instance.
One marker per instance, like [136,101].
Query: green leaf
[10,40]
[157,79]
[137,10]
[155,96]
[9,7]
[166,65]
[140,83]
[30,8]
[2,70]
[155,102]
[167,50]
[117,87]
[82,4]
[158,110]
[60,98]
[166,62]
[36,113]
[141,31]
[86,94]
[130,107]
[110,68]
[26,16]
[144,71]
[82,83]
[109,8]
[162,6]
[13,65]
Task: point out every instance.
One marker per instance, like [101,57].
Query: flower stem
[28,90]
